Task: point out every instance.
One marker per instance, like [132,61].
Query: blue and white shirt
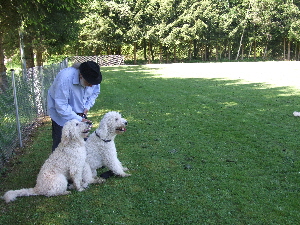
[67,96]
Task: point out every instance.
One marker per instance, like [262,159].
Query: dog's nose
[126,123]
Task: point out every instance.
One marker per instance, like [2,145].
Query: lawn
[210,143]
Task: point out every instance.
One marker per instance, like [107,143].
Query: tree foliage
[186,29]
[42,25]
[168,30]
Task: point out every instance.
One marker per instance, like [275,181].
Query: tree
[52,28]
[42,24]
[168,29]
[104,27]
[287,19]
[9,22]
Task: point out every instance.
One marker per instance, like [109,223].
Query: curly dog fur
[100,146]
[66,162]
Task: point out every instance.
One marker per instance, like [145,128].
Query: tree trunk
[149,52]
[3,76]
[160,53]
[145,49]
[241,43]
[167,56]
[207,52]
[196,49]
[39,56]
[289,51]
[28,51]
[265,51]
[217,52]
[254,49]
[283,48]
[298,56]
[174,54]
[250,48]
[202,52]
[134,53]
[229,51]
[296,49]
[116,50]
[2,65]
[109,50]
[190,50]
[242,55]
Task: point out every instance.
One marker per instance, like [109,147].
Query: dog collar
[101,138]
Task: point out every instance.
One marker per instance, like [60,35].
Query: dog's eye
[77,124]
[117,119]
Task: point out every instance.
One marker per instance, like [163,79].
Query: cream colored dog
[66,162]
[100,146]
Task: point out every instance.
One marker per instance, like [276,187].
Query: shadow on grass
[201,151]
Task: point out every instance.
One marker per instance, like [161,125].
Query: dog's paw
[125,175]
[85,185]
[66,193]
[99,180]
[71,187]
[81,189]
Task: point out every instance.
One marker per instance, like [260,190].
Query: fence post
[42,91]
[16,105]
[31,72]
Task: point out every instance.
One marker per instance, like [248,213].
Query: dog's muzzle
[90,124]
[122,129]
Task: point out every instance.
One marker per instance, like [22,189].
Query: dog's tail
[12,195]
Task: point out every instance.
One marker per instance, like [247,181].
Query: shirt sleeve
[92,98]
[61,97]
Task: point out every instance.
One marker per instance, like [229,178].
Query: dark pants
[56,134]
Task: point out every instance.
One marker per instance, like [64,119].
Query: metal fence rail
[31,89]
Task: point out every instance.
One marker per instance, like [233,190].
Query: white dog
[66,162]
[100,146]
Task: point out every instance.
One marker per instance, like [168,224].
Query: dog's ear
[65,136]
[103,130]
[69,132]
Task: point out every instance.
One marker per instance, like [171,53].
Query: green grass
[200,151]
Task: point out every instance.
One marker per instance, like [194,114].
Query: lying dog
[100,146]
[66,162]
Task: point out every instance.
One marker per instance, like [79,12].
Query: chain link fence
[23,104]
[102,60]
[21,113]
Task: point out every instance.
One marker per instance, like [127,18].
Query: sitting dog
[66,162]
[100,146]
